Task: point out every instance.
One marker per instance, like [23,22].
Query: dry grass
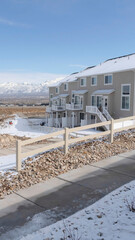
[6,112]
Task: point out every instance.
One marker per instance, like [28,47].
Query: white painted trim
[108,75]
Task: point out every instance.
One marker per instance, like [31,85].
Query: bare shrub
[70,232]
[131,205]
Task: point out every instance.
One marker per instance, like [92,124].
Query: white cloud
[36,77]
[12,23]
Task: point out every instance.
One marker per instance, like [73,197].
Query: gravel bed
[51,164]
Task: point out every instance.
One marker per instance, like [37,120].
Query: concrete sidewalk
[67,193]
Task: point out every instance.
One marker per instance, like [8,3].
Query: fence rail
[67,140]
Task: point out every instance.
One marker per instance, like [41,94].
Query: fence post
[66,140]
[18,155]
[112,130]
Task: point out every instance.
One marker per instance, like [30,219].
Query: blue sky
[52,38]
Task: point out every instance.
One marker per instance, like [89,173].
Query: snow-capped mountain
[26,89]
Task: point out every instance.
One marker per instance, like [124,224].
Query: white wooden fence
[67,140]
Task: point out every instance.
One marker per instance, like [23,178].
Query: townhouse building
[98,93]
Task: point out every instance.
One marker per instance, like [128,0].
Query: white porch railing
[69,122]
[74,106]
[66,122]
[107,114]
[58,122]
[95,110]
[58,108]
[83,122]
[50,122]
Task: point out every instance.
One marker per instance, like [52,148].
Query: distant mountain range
[25,89]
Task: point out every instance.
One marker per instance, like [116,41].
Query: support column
[66,119]
[52,119]
[86,119]
[56,119]
[96,122]
[73,120]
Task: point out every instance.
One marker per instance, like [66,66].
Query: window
[108,79]
[83,82]
[125,97]
[96,101]
[77,99]
[126,89]
[65,86]
[93,100]
[99,101]
[51,95]
[82,116]
[57,90]
[92,117]
[94,81]
[73,98]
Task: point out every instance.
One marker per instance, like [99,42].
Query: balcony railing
[74,106]
[58,108]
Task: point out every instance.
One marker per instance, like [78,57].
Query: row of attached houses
[96,94]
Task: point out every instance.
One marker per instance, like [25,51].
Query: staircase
[103,117]
[106,114]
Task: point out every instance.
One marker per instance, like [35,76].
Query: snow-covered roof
[103,91]
[79,92]
[112,65]
[56,97]
[118,64]
[70,78]
[63,95]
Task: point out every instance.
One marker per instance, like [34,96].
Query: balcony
[58,108]
[74,106]
[92,109]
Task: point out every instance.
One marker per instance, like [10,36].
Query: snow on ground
[108,219]
[7,162]
[31,128]
[28,128]
[85,132]
[24,127]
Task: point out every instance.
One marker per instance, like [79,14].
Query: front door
[105,102]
